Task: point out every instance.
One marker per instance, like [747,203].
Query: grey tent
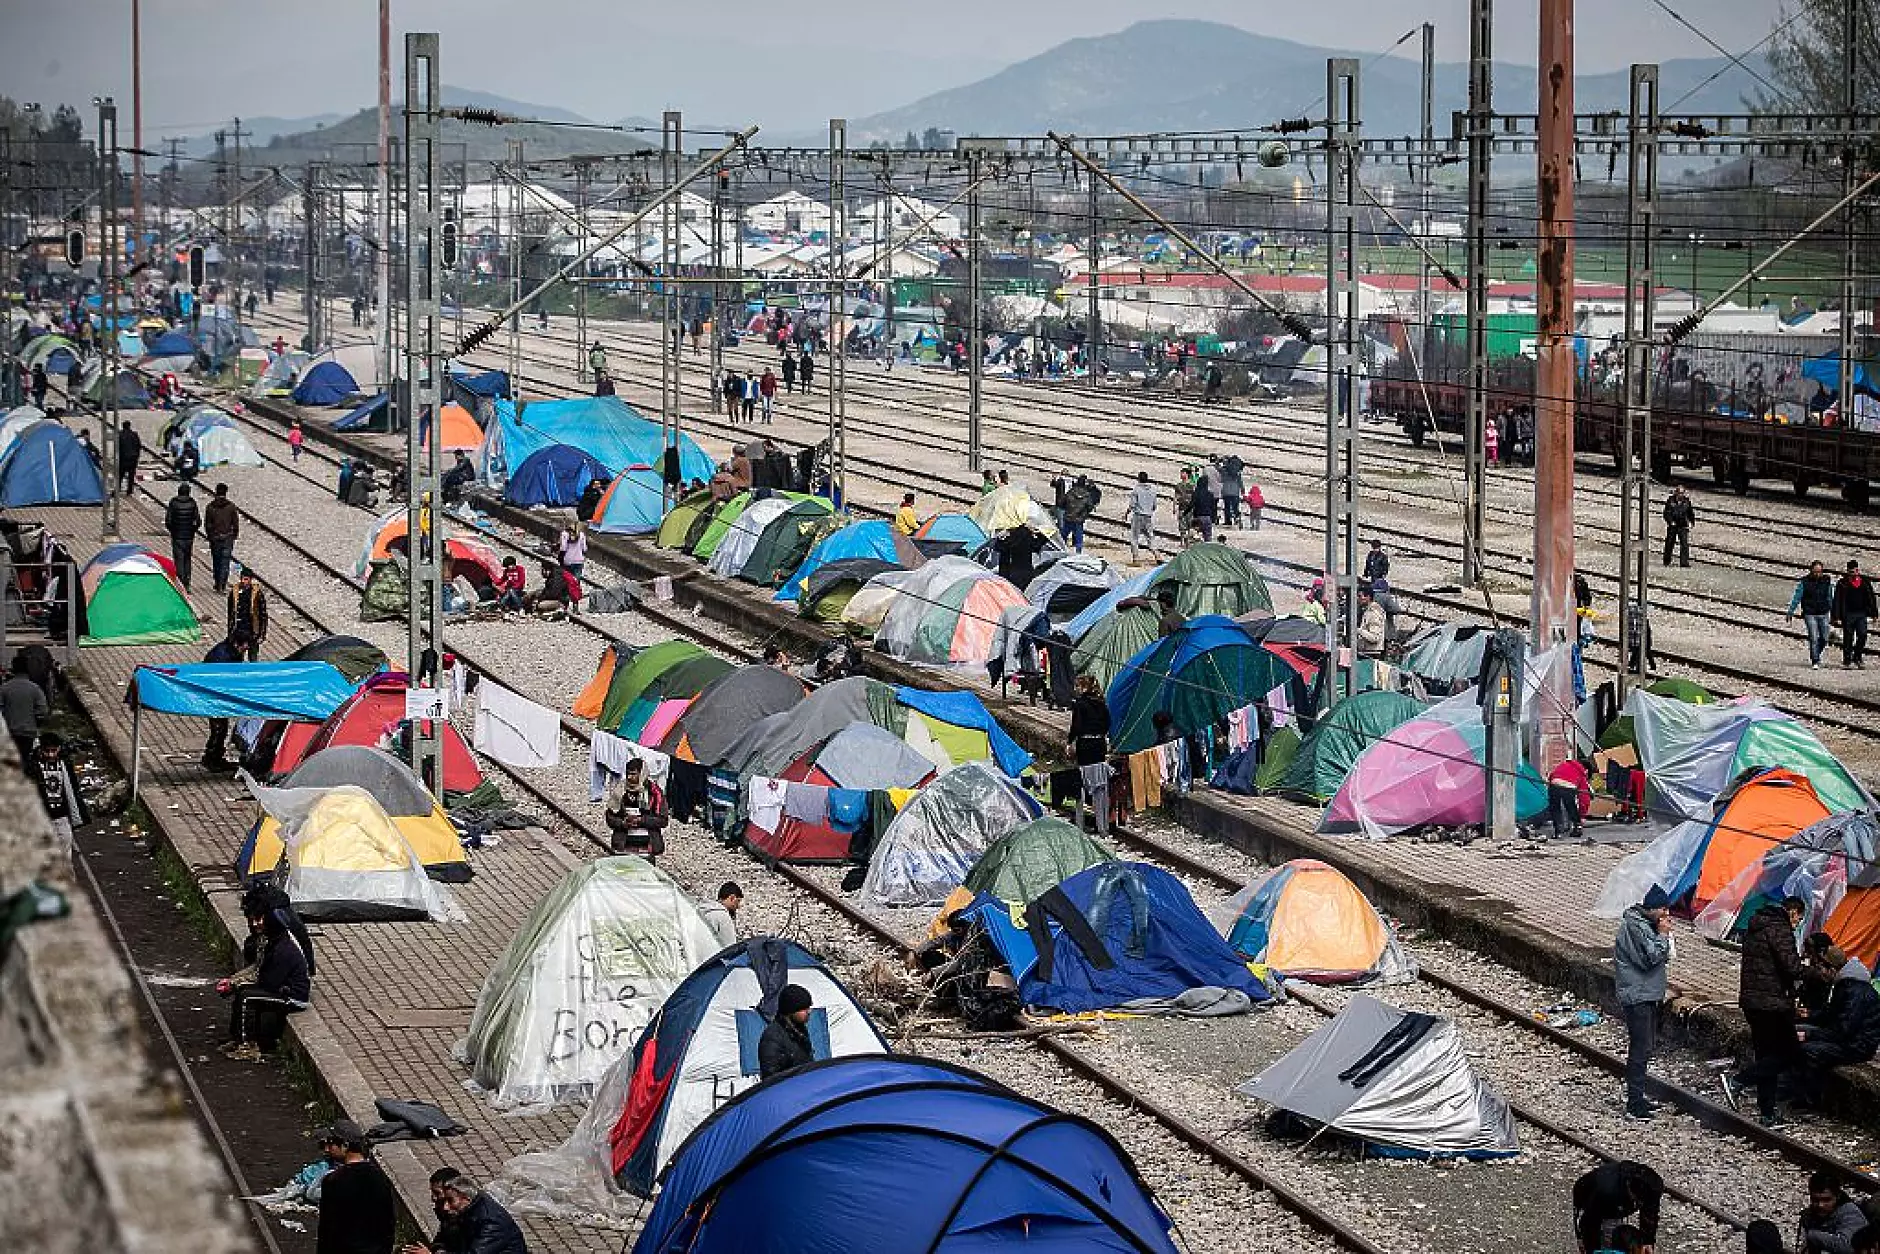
[1447,656]
[618,598]
[391,783]
[1071,583]
[727,706]
[1395,1081]
[865,757]
[937,837]
[771,744]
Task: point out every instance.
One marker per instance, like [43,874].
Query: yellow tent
[389,782]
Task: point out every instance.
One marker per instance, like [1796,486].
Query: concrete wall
[97,1153]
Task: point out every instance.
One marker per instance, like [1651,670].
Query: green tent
[682,681]
[1326,756]
[725,517]
[1197,675]
[387,596]
[1212,578]
[633,675]
[1032,859]
[1281,748]
[1117,637]
[678,524]
[787,541]
[135,603]
[1620,731]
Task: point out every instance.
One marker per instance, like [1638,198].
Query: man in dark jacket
[1814,597]
[1611,1193]
[1680,514]
[1376,563]
[1848,1031]
[1854,607]
[182,520]
[474,1220]
[258,1009]
[785,1046]
[222,523]
[130,448]
[1769,980]
[248,610]
[1081,499]
[358,1210]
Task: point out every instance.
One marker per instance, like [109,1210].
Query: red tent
[379,703]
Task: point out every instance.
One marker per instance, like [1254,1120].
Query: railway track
[1710,1115]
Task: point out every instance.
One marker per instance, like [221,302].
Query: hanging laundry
[1145,778]
[608,756]
[514,730]
[764,802]
[848,807]
[1279,705]
[807,803]
[1176,775]
[1243,727]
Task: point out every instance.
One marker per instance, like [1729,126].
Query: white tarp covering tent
[741,541]
[579,981]
[281,374]
[1397,1082]
[934,841]
[360,360]
[703,1053]
[347,861]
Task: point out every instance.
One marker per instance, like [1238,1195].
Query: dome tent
[1137,585]
[379,703]
[937,837]
[728,705]
[131,598]
[1447,656]
[1033,858]
[347,861]
[685,521]
[1419,1100]
[1328,753]
[349,655]
[946,614]
[947,534]
[645,678]
[699,1051]
[1833,865]
[781,547]
[861,757]
[1762,809]
[631,504]
[580,980]
[555,475]
[1106,648]
[741,540]
[1212,577]
[826,593]
[1306,921]
[874,538]
[46,465]
[413,811]
[1202,672]
[325,383]
[995,1170]
[1070,584]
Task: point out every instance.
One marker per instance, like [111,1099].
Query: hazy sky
[784,65]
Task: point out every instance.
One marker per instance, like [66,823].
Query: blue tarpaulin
[963,709]
[303,692]
[606,428]
[364,416]
[1826,370]
[171,343]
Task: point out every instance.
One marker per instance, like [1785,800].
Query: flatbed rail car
[1737,451]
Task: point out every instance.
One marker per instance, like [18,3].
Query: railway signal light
[447,250]
[198,267]
[74,246]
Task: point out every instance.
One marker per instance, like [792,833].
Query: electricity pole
[9,377]
[974,333]
[1555,373]
[109,263]
[312,247]
[1850,35]
[137,126]
[1635,515]
[423,367]
[515,265]
[1481,152]
[1093,320]
[673,144]
[235,263]
[718,279]
[382,224]
[1343,123]
[838,308]
[1426,173]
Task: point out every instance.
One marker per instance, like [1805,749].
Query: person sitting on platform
[262,996]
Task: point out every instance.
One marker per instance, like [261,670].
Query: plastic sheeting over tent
[874,538]
[1621,733]
[1427,773]
[939,835]
[606,428]
[347,861]
[1005,508]
[46,465]
[553,476]
[325,383]
[131,598]
[282,373]
[267,690]
[699,1052]
[418,817]
[827,593]
[1153,945]
[219,442]
[580,980]
[946,614]
[1137,585]
[1690,755]
[995,1170]
[1832,865]
[1328,753]
[1398,1083]
[1447,656]
[1070,584]
[1308,922]
[1212,578]
[1205,670]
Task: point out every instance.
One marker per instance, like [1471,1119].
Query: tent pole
[137,748]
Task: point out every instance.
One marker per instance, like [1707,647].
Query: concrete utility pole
[1555,376]
[838,308]
[582,174]
[1426,174]
[672,145]
[383,225]
[1635,492]
[1501,699]
[312,250]
[717,357]
[234,254]
[1850,36]
[1093,317]
[423,370]
[110,262]
[1481,153]
[1342,126]
[974,333]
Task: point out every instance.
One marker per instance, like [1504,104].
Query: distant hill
[1171,75]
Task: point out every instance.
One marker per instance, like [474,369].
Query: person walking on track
[182,520]
[223,523]
[1680,515]
[1142,517]
[1853,608]
[1814,597]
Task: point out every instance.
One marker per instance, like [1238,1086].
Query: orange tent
[458,430]
[1764,809]
[590,699]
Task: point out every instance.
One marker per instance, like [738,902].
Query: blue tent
[374,414]
[295,692]
[555,475]
[875,538]
[952,529]
[489,384]
[894,1153]
[963,709]
[633,503]
[328,383]
[1156,943]
[1826,370]
[1088,617]
[606,428]
[1210,667]
[171,343]
[47,465]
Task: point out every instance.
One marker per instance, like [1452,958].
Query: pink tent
[665,714]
